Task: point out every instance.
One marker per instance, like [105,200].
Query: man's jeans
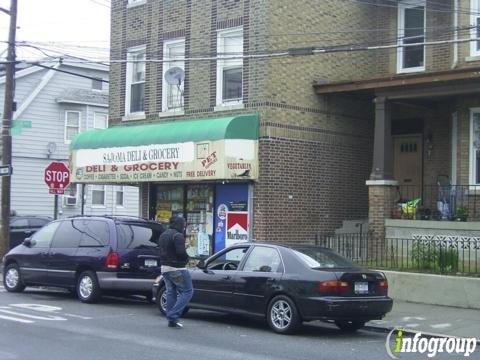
[179,292]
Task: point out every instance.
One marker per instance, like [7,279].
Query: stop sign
[57,177]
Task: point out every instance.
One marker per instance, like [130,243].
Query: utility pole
[8,109]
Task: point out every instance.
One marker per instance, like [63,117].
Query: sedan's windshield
[318,258]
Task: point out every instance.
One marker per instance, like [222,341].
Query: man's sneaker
[175,324]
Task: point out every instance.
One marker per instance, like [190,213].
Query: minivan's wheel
[12,280]
[282,315]
[349,326]
[162,301]
[88,290]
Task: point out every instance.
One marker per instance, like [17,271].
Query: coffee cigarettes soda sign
[188,161]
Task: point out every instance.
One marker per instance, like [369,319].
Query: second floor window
[411,30]
[135,84]
[72,125]
[172,94]
[229,66]
[100,120]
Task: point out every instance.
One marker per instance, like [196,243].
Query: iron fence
[452,255]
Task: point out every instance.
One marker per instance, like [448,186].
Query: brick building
[327,83]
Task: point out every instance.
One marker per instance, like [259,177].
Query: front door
[407,164]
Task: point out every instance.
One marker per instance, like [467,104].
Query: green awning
[234,127]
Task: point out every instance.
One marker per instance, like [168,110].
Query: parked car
[287,286]
[23,226]
[89,255]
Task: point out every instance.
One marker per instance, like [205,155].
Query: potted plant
[461,213]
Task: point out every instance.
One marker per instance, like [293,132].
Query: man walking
[178,282]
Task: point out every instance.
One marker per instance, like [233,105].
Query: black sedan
[287,285]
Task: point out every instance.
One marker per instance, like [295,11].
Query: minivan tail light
[333,287]
[112,261]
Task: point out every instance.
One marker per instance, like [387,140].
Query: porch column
[381,186]
[382,168]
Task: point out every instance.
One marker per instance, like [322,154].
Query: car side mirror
[28,242]
[201,264]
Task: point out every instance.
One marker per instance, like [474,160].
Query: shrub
[432,256]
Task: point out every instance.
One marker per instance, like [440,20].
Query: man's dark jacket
[172,245]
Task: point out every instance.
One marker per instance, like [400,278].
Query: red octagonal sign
[57,177]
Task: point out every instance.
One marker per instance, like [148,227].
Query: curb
[386,330]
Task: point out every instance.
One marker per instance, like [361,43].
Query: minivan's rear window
[136,236]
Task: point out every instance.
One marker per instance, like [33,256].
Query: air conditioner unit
[70,200]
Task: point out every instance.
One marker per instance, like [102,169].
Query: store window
[195,203]
[411,30]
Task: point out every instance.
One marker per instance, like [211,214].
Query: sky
[73,27]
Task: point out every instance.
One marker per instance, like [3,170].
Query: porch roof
[442,83]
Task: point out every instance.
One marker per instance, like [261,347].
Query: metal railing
[452,255]
[438,202]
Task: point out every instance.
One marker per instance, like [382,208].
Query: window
[94,232]
[172,95]
[475,146]
[475,31]
[43,237]
[97,85]
[36,222]
[100,120]
[70,195]
[67,235]
[119,196]
[72,125]
[263,259]
[135,84]
[135,2]
[132,236]
[98,195]
[231,257]
[322,259]
[229,70]
[19,224]
[411,30]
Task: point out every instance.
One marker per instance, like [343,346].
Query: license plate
[150,262]
[361,287]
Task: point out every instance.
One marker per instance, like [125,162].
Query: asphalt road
[46,324]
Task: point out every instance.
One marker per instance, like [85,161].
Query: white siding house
[52,106]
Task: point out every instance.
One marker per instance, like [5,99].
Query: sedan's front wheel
[283,316]
[88,289]
[12,279]
[349,326]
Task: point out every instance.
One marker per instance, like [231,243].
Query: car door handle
[226,277]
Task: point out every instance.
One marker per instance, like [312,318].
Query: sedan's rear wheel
[12,279]
[349,325]
[283,316]
[88,289]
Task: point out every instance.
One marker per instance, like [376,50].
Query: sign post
[57,177]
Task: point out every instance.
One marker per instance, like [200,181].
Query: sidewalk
[431,319]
